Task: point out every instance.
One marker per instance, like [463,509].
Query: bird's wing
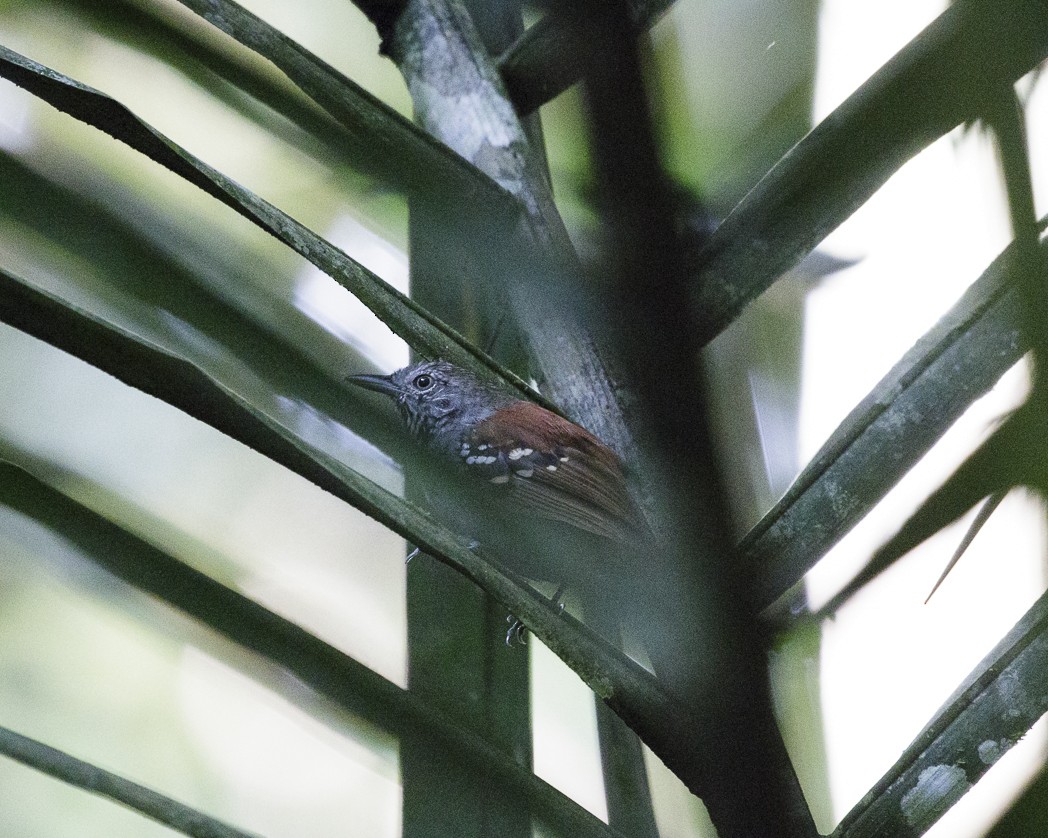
[555,468]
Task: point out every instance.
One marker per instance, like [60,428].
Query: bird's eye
[423,381]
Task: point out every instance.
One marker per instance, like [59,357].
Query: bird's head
[437,400]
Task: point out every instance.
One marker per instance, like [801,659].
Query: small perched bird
[546,475]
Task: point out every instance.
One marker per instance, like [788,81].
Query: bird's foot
[473,546]
[517,633]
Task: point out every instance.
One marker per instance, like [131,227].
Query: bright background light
[888,661]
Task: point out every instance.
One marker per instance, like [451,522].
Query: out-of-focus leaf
[939,80]
[984,718]
[551,55]
[425,333]
[699,595]
[1007,118]
[344,681]
[76,772]
[159,281]
[240,85]
[134,250]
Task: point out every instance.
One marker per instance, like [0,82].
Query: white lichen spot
[991,751]
[1013,696]
[938,788]
[841,500]
[466,136]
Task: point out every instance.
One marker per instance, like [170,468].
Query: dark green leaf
[938,81]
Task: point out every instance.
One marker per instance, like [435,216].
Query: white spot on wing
[502,478]
[517,453]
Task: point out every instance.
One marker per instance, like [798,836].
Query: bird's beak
[378,383]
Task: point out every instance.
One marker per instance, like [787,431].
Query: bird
[554,499]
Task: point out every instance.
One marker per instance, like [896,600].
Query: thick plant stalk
[444,62]
[719,669]
[457,657]
[440,54]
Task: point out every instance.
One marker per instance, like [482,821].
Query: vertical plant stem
[744,776]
